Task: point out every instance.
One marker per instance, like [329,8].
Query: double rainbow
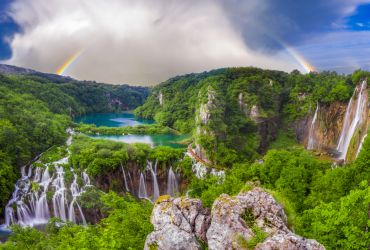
[294,53]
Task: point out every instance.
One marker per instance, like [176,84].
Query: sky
[145,42]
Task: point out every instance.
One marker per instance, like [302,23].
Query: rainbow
[299,58]
[303,62]
[62,69]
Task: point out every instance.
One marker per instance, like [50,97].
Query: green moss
[248,217]
[287,206]
[352,148]
[153,246]
[259,237]
[35,186]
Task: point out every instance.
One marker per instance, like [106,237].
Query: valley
[188,164]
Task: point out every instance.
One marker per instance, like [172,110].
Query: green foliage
[248,217]
[342,224]
[7,178]
[103,156]
[53,154]
[137,130]
[359,75]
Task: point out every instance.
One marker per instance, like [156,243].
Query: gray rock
[178,223]
[236,220]
[288,241]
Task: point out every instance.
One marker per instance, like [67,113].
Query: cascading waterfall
[59,201]
[29,204]
[200,170]
[352,119]
[142,193]
[172,185]
[125,179]
[361,143]
[142,188]
[155,181]
[311,137]
[76,192]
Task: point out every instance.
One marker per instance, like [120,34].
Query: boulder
[178,224]
[288,241]
[236,221]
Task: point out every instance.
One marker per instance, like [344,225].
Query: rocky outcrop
[233,223]
[327,127]
[288,241]
[160,98]
[206,108]
[178,224]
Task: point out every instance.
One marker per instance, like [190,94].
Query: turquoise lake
[127,119]
[112,120]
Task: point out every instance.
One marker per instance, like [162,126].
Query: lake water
[4,233]
[127,119]
[153,140]
[112,120]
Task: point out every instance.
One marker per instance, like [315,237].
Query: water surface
[170,140]
[128,119]
[112,119]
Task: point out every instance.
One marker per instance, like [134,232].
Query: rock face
[160,98]
[178,224]
[327,127]
[234,221]
[206,108]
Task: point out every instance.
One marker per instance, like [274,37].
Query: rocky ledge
[250,220]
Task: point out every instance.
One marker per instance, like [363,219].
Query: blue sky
[146,42]
[7,28]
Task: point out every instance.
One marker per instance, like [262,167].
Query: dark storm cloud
[265,23]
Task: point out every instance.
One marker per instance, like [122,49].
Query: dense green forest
[255,148]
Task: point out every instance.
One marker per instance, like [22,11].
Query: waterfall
[142,188]
[76,192]
[59,201]
[352,119]
[29,204]
[155,181]
[42,207]
[361,143]
[131,183]
[172,185]
[125,179]
[311,136]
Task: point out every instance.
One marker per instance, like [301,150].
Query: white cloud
[138,42]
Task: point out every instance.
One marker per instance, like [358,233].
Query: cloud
[138,42]
[265,24]
[343,51]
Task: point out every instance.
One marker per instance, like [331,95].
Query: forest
[245,122]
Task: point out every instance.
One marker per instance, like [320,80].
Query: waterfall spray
[172,185]
[311,137]
[29,204]
[155,181]
[142,188]
[352,119]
